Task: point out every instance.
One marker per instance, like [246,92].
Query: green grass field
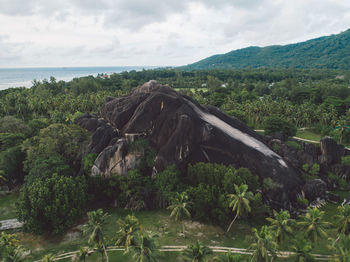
[159,222]
[307,134]
[7,206]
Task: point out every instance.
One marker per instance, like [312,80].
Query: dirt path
[216,249]
[10,224]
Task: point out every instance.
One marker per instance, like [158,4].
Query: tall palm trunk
[232,223]
[105,252]
[102,257]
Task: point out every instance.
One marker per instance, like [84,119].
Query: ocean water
[18,77]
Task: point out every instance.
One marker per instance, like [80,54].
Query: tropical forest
[177,164]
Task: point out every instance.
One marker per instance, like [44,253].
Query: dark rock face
[314,189]
[102,132]
[331,151]
[181,131]
[342,171]
[307,155]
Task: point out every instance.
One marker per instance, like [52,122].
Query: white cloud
[149,32]
[9,52]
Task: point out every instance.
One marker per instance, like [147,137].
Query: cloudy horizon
[39,33]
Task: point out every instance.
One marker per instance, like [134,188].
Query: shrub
[208,204]
[8,140]
[137,190]
[269,185]
[338,181]
[88,162]
[168,182]
[222,176]
[294,144]
[37,124]
[141,146]
[315,169]
[52,205]
[302,201]
[345,160]
[11,163]
[311,171]
[258,208]
[104,189]
[276,147]
[67,141]
[43,168]
[210,184]
[10,124]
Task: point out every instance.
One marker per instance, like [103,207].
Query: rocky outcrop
[331,151]
[102,132]
[181,131]
[315,189]
[305,154]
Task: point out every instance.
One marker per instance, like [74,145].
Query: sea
[23,77]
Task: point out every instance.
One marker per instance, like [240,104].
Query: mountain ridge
[331,52]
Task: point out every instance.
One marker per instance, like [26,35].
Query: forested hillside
[324,52]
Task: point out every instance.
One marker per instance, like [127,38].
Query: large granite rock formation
[331,151]
[181,131]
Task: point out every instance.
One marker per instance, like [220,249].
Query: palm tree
[341,249]
[302,249]
[100,248]
[49,258]
[197,252]
[240,201]
[343,220]
[94,228]
[13,254]
[229,257]
[179,208]
[81,255]
[128,229]
[281,224]
[313,225]
[342,129]
[145,248]
[264,245]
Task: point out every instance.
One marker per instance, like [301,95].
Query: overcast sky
[35,33]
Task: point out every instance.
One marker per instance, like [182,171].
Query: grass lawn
[7,206]
[307,134]
[159,222]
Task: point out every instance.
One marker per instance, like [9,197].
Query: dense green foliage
[324,52]
[210,184]
[167,184]
[276,124]
[52,205]
[38,138]
[65,141]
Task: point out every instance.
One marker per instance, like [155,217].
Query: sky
[50,33]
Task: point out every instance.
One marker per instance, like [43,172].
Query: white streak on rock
[237,134]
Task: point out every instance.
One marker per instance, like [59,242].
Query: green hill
[331,52]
